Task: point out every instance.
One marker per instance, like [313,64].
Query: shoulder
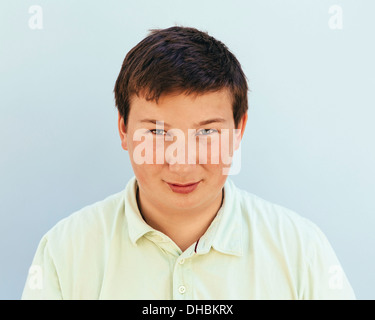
[296,244]
[267,211]
[274,221]
[76,248]
[89,224]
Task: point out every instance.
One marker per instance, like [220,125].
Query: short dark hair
[180,59]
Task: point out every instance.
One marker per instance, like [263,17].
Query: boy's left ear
[122,132]
[239,131]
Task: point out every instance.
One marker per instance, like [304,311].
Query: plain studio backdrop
[309,141]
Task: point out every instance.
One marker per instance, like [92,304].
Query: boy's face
[185,148]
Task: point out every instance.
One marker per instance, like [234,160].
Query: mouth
[183,188]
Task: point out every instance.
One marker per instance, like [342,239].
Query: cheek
[142,158]
[148,175]
[219,149]
[209,151]
[149,150]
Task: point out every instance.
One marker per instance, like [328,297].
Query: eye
[206,132]
[158,132]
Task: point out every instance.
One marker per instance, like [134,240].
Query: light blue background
[308,145]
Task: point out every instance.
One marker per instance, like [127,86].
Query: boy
[181,229]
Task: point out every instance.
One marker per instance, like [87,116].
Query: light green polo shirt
[253,249]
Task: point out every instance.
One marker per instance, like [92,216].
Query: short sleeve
[42,281]
[326,277]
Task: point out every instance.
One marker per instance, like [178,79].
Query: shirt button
[181,261]
[182,289]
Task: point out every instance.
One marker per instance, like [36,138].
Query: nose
[180,155]
[182,168]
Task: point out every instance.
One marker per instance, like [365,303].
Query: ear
[240,131]
[122,132]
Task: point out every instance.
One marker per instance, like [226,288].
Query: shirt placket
[182,276]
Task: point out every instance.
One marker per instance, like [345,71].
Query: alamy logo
[336,280]
[35,280]
[335,21]
[36,20]
[173,147]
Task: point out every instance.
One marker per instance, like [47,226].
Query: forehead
[178,108]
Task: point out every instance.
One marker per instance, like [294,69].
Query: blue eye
[205,132]
[158,132]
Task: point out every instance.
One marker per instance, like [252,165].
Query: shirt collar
[224,234]
[136,225]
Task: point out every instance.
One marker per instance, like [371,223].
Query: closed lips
[183,185]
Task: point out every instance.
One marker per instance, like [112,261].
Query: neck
[184,227]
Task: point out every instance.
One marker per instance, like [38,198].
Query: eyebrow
[202,123]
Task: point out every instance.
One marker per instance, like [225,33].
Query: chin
[173,201]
